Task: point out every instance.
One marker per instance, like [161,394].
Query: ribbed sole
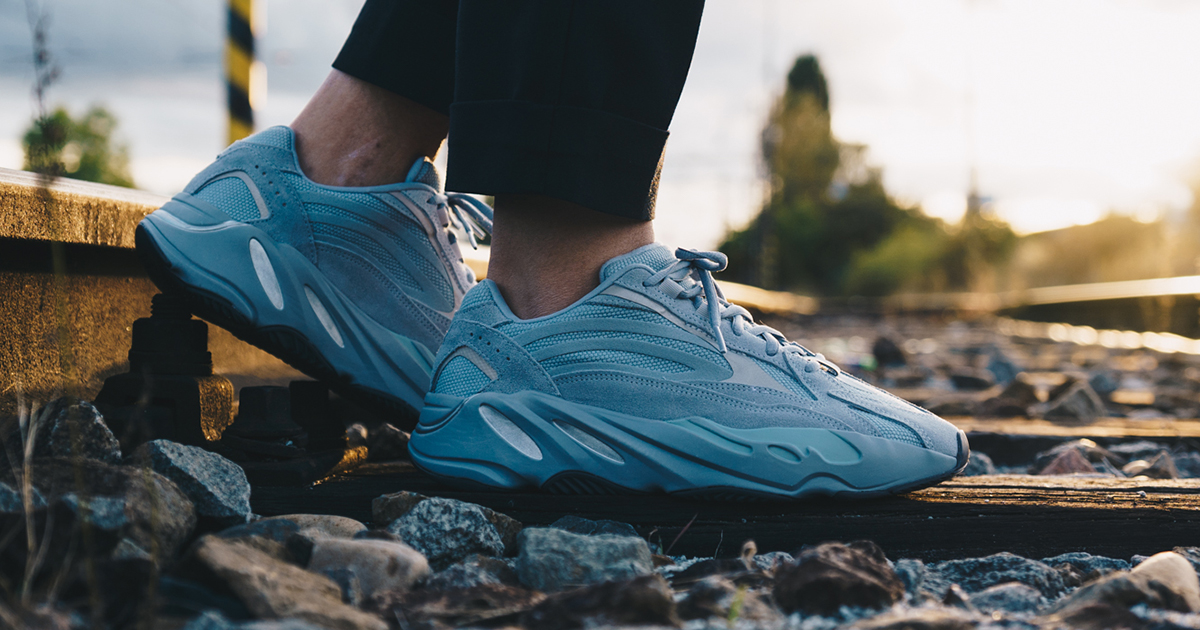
[288,344]
[518,444]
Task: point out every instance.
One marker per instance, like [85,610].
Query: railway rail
[104,289]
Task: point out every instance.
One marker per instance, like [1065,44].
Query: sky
[1067,109]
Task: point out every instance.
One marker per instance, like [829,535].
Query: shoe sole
[234,275]
[531,440]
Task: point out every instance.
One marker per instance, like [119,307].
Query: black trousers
[565,98]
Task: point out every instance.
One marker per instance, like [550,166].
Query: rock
[213,620]
[347,580]
[1088,567]
[1003,370]
[389,507]
[378,534]
[831,575]
[911,573]
[588,527]
[887,353]
[447,530]
[919,619]
[104,513]
[720,598]
[156,511]
[426,608]
[1139,449]
[971,379]
[1016,399]
[643,600]
[1188,465]
[1166,580]
[771,560]
[1191,554]
[1073,400]
[217,487]
[1105,382]
[1095,617]
[387,442]
[1009,597]
[1177,573]
[729,567]
[474,571]
[978,464]
[71,419]
[11,501]
[956,597]
[1160,467]
[553,559]
[323,524]
[379,565]
[1087,448]
[179,597]
[273,589]
[1068,462]
[977,574]
[277,530]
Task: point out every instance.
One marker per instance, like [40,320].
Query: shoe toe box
[894,418]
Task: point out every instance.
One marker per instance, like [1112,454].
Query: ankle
[547,253]
[353,133]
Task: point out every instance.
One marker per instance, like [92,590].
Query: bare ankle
[547,253]
[353,133]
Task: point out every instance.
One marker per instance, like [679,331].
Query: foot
[654,383]
[353,286]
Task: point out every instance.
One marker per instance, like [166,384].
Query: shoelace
[700,266]
[463,206]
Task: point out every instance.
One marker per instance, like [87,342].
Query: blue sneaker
[654,383]
[353,286]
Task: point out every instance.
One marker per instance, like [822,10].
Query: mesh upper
[460,377]
[690,348]
[786,380]
[655,256]
[373,248]
[893,429]
[586,311]
[632,359]
[232,195]
[279,137]
[414,236]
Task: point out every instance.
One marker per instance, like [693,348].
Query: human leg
[561,111]
[574,373]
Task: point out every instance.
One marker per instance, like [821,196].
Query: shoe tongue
[423,172]
[655,256]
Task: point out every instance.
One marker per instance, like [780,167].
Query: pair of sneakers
[652,382]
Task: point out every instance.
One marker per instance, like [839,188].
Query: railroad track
[104,290]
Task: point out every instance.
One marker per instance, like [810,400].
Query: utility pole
[243,74]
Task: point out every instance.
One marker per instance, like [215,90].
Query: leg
[385,104]
[353,133]
[561,111]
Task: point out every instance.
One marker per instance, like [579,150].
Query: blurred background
[857,147]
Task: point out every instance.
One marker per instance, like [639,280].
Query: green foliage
[829,226]
[80,148]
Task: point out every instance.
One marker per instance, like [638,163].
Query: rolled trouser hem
[590,157]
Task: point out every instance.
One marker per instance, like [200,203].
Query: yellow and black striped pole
[240,69]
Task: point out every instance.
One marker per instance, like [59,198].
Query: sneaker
[654,383]
[352,286]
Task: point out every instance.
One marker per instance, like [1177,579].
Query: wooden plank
[972,516]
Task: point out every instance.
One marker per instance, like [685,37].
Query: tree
[829,227]
[80,148]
